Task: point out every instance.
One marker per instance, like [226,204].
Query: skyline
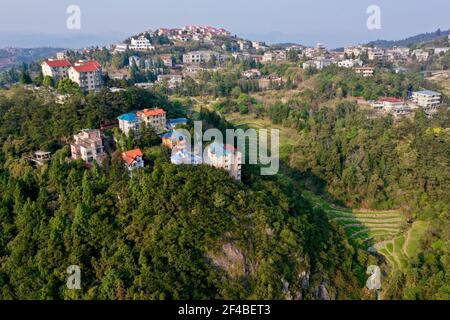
[304,22]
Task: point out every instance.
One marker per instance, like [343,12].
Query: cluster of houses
[88,144]
[193,33]
[86,73]
[428,100]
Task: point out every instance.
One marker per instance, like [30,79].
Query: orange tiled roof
[130,156]
[152,112]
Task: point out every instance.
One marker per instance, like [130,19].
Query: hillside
[15,56]
[411,41]
[169,232]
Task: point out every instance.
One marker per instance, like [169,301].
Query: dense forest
[358,159]
[167,232]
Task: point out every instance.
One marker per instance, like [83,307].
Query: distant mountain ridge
[414,40]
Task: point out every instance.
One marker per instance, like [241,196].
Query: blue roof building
[129,121]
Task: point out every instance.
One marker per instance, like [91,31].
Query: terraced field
[405,246]
[382,232]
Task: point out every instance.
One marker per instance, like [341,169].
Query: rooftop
[429,93]
[152,112]
[54,63]
[130,117]
[130,156]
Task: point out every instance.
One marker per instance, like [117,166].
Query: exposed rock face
[231,260]
[321,293]
[286,292]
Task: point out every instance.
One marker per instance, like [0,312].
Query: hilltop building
[129,122]
[140,44]
[55,68]
[133,159]
[88,145]
[155,118]
[87,74]
[224,157]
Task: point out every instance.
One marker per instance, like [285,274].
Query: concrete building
[172,80]
[129,121]
[133,159]
[56,68]
[375,54]
[318,63]
[224,157]
[199,57]
[121,47]
[140,44]
[88,145]
[365,71]
[349,63]
[87,74]
[429,100]
[155,118]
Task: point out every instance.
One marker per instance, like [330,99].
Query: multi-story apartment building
[421,55]
[120,47]
[87,74]
[376,54]
[427,99]
[88,145]
[172,80]
[225,157]
[133,159]
[55,68]
[199,57]
[129,122]
[140,44]
[155,118]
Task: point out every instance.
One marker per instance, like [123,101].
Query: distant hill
[415,40]
[14,56]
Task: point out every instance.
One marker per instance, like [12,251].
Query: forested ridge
[168,232]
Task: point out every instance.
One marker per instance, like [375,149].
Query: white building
[140,44]
[441,50]
[199,57]
[121,47]
[133,159]
[421,55]
[55,68]
[318,63]
[375,54]
[155,118]
[428,100]
[129,122]
[87,74]
[88,145]
[349,63]
[225,157]
[172,80]
[365,71]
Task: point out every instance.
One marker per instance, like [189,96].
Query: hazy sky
[334,22]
